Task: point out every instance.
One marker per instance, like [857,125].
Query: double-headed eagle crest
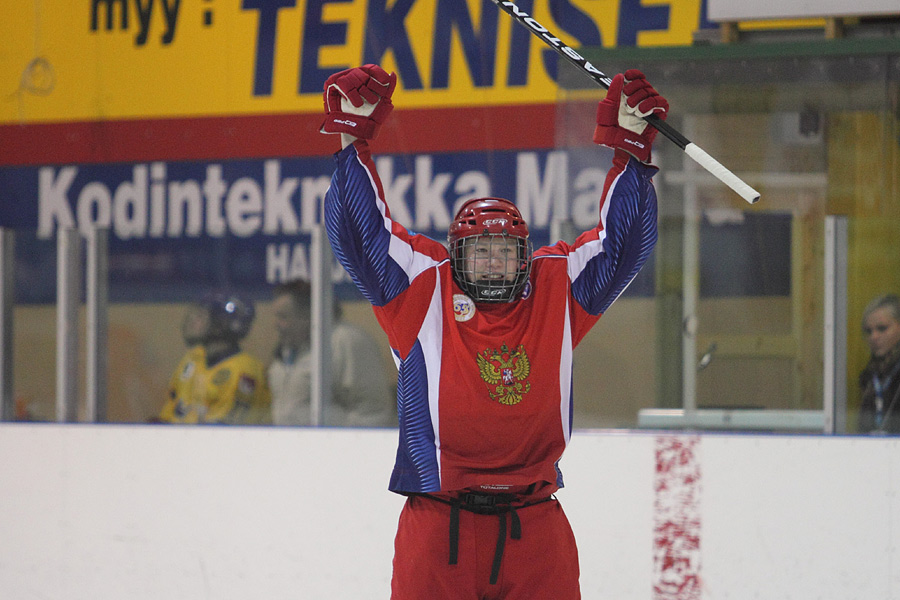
[506,371]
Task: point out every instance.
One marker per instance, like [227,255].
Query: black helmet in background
[230,316]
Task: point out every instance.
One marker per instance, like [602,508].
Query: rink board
[148,512]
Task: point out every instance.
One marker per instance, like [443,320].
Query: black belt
[486,504]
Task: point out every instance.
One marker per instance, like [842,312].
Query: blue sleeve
[606,259]
[381,256]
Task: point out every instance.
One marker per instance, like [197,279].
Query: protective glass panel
[256,368]
[726,326]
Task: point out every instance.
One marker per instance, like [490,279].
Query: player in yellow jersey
[217,382]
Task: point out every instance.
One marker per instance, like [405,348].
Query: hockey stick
[691,149]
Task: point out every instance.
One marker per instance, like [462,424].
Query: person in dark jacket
[879,382]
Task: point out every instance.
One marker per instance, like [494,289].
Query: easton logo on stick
[554,41]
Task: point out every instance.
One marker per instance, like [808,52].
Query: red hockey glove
[358,101]
[620,122]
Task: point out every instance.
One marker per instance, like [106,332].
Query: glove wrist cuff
[361,126]
[638,145]
[358,126]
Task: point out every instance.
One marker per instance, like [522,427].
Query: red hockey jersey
[485,390]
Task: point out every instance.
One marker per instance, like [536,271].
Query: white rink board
[800,518]
[157,512]
[150,512]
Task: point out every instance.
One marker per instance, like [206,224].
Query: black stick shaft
[691,149]
[593,72]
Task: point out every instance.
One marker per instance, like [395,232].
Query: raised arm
[605,259]
[380,255]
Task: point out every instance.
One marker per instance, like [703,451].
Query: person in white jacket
[360,395]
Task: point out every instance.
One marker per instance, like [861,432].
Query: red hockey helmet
[492,227]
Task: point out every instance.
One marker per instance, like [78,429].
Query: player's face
[195,325]
[882,331]
[291,323]
[492,258]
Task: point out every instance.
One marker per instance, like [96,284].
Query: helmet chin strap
[494,293]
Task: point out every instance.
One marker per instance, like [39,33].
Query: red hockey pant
[542,564]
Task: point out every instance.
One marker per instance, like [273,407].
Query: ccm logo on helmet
[495,222]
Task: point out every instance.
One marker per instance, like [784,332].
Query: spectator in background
[216,382]
[879,382]
[360,396]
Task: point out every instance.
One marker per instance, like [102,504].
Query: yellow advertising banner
[90,60]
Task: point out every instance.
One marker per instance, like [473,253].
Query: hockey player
[483,335]
[216,382]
